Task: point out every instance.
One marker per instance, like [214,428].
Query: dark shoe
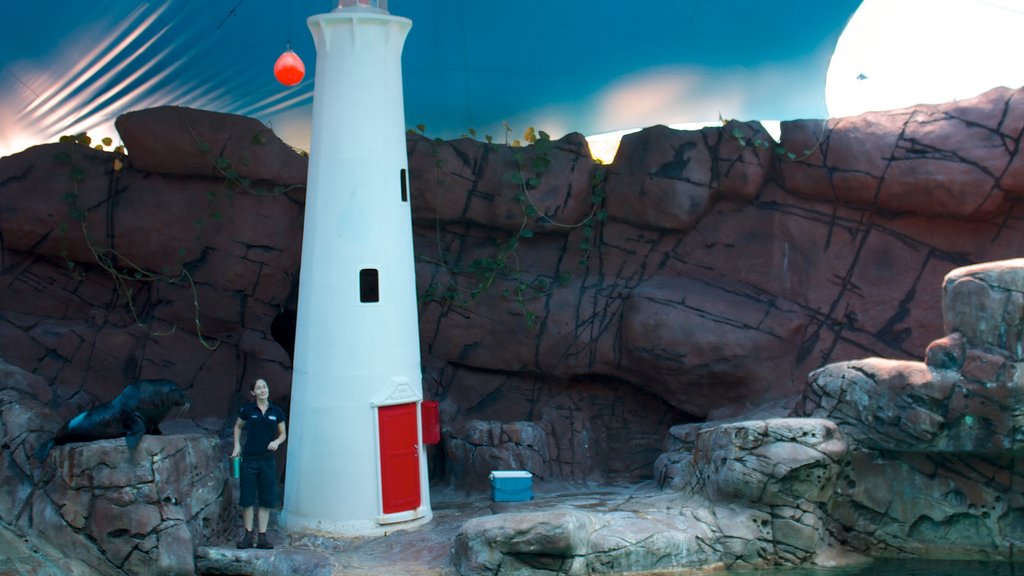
[247,541]
[264,544]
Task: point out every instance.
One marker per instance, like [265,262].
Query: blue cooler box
[511,486]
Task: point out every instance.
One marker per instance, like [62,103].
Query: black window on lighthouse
[369,285]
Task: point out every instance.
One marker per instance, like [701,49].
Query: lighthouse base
[295,523]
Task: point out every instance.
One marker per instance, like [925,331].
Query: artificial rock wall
[720,269]
[586,309]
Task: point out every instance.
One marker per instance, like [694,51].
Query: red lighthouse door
[399,457]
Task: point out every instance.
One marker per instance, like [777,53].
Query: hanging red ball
[289,69]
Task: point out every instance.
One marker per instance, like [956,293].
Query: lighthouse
[356,463]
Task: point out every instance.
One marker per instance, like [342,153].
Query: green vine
[232,178]
[734,130]
[126,274]
[482,273]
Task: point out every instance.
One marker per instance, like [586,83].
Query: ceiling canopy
[561,66]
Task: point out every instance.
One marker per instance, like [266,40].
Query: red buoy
[289,69]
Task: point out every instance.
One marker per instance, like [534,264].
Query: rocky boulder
[984,305]
[187,142]
[119,511]
[573,542]
[954,154]
[933,469]
[779,472]
[482,447]
[782,462]
[524,543]
[750,494]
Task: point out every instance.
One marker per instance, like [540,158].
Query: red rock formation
[727,267]
[120,268]
[700,275]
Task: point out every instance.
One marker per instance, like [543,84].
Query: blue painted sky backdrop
[559,65]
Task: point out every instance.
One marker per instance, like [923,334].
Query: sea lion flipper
[135,429]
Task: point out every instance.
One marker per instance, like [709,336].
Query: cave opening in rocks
[628,424]
[587,428]
[282,330]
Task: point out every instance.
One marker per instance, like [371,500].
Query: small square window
[369,285]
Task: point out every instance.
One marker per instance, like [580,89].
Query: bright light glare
[900,53]
[604,146]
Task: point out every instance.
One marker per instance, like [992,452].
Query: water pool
[900,568]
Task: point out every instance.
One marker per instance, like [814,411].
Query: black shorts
[258,481]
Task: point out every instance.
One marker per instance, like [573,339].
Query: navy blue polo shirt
[260,428]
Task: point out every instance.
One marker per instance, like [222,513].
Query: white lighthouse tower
[356,463]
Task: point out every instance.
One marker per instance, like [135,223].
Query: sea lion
[137,410]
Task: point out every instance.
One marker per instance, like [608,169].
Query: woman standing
[265,432]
